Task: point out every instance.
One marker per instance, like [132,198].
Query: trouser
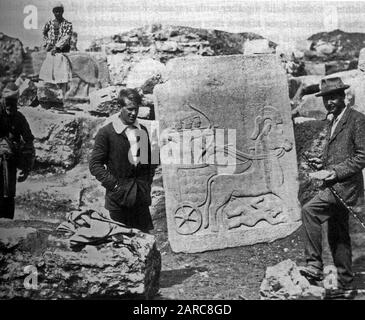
[7,207]
[138,217]
[324,206]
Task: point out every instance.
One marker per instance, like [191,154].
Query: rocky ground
[228,274]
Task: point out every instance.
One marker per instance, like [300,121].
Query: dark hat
[331,85]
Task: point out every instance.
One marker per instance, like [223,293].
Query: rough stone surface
[145,74]
[118,66]
[299,86]
[310,106]
[284,282]
[14,237]
[27,93]
[104,102]
[60,139]
[49,95]
[361,64]
[11,56]
[112,270]
[313,68]
[216,204]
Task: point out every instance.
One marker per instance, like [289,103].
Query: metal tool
[338,197]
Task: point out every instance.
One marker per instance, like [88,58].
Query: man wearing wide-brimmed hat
[343,161]
[16,149]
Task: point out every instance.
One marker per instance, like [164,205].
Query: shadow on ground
[169,278]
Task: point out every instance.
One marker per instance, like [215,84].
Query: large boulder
[300,86]
[11,56]
[310,106]
[336,45]
[50,95]
[211,203]
[284,282]
[257,46]
[313,68]
[145,74]
[60,139]
[104,102]
[119,65]
[48,267]
[27,93]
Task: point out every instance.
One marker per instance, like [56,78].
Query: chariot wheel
[188,219]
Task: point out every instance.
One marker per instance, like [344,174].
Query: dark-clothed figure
[16,149]
[120,160]
[343,159]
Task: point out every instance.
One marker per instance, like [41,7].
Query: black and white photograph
[204,151]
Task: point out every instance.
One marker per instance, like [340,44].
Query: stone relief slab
[227,151]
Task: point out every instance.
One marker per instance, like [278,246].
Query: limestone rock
[361,64]
[313,68]
[113,48]
[104,102]
[336,45]
[49,95]
[11,56]
[300,86]
[257,46]
[167,46]
[27,93]
[118,65]
[128,269]
[59,138]
[210,203]
[284,282]
[144,113]
[145,74]
[164,42]
[14,237]
[324,48]
[310,106]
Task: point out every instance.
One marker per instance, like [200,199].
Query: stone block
[284,282]
[104,102]
[145,74]
[310,106]
[27,93]
[118,65]
[227,152]
[118,269]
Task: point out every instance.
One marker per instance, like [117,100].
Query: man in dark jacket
[120,160]
[343,159]
[16,149]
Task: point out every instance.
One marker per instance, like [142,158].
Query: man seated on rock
[16,149]
[343,160]
[57,35]
[121,161]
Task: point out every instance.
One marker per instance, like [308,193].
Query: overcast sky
[277,20]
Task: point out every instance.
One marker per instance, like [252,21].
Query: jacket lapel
[341,124]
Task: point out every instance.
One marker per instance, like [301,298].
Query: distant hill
[336,45]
